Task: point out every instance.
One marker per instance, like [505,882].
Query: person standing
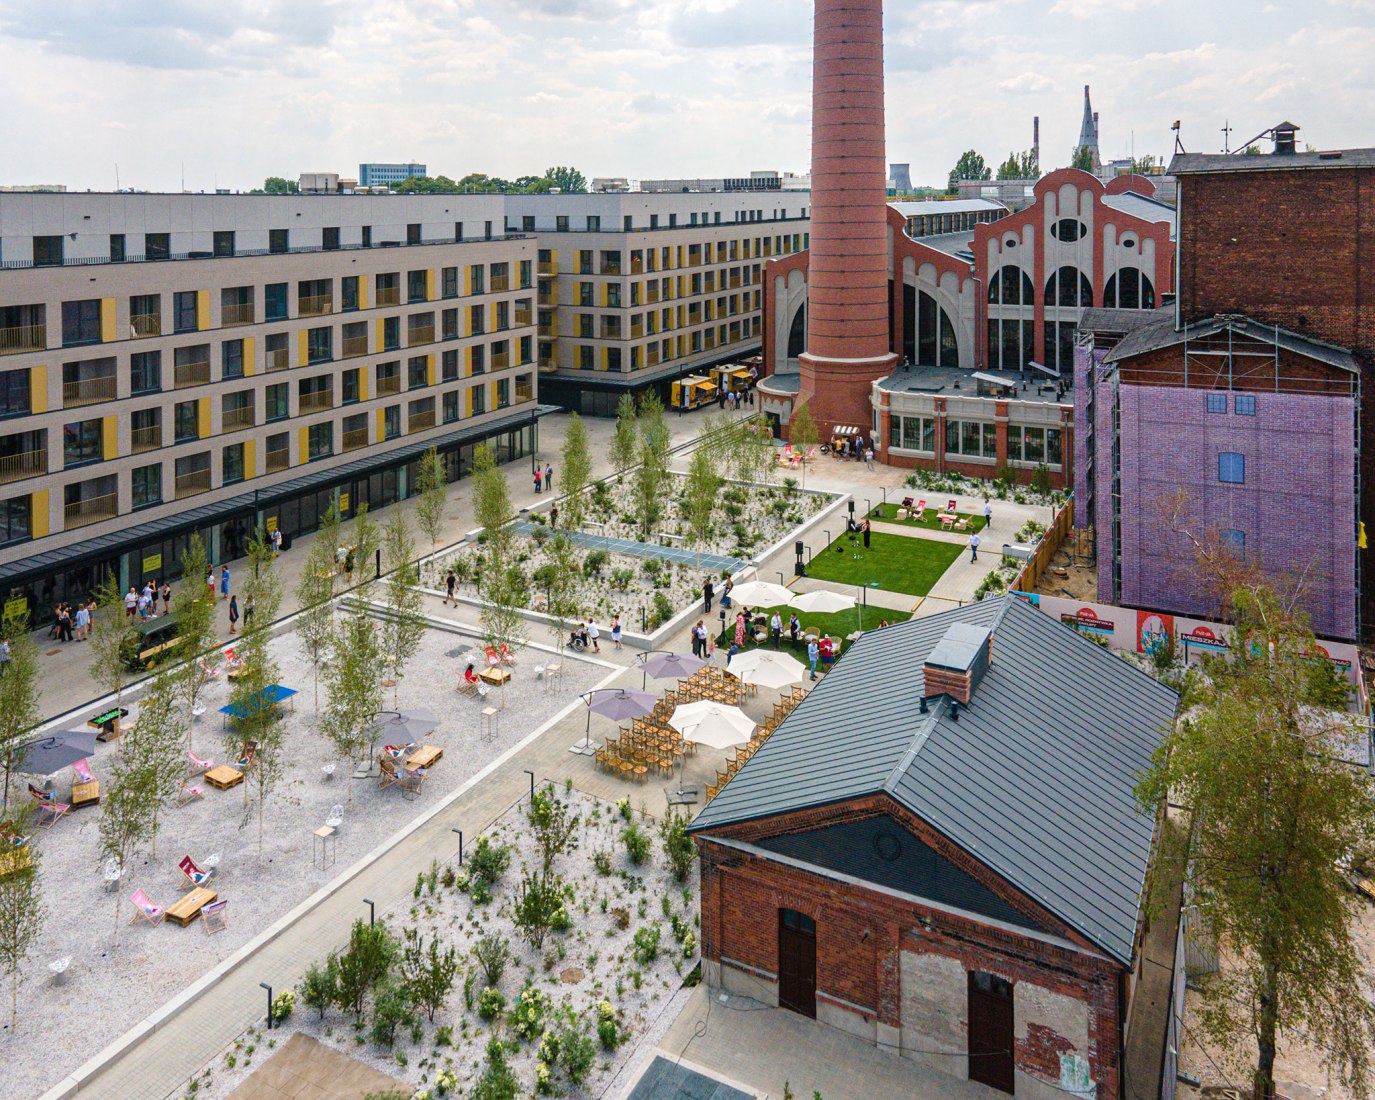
[864,530]
[813,653]
[549,477]
[224,582]
[276,544]
[130,602]
[988,513]
[869,458]
[539,480]
[64,624]
[593,633]
[166,598]
[708,594]
[233,614]
[974,547]
[83,623]
[450,583]
[697,639]
[776,628]
[616,631]
[553,517]
[793,627]
[739,630]
[726,591]
[210,582]
[143,607]
[248,613]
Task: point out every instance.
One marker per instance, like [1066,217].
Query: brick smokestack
[848,341]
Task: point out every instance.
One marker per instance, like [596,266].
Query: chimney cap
[959,648]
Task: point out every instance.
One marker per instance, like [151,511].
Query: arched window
[1011,286]
[1069,287]
[928,334]
[797,333]
[1129,288]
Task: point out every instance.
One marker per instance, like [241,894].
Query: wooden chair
[412,779]
[192,875]
[153,914]
[48,807]
[215,917]
[387,775]
[197,766]
[507,656]
[250,750]
[186,795]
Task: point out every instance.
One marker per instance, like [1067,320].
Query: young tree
[403,625]
[195,627]
[702,487]
[433,490]
[156,748]
[653,457]
[315,622]
[765,461]
[18,693]
[576,472]
[803,434]
[326,543]
[623,443]
[554,825]
[562,569]
[428,970]
[258,722]
[503,585]
[111,640]
[1272,811]
[22,913]
[366,537]
[353,687]
[491,497]
[1082,158]
[127,800]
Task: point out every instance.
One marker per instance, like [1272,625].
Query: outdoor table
[108,723]
[320,850]
[189,907]
[423,758]
[85,794]
[224,777]
[271,697]
[550,672]
[496,676]
[947,519]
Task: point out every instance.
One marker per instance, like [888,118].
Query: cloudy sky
[235,90]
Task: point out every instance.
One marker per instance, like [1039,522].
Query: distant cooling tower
[901,175]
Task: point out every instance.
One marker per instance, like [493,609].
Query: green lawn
[839,625]
[888,513]
[897,563]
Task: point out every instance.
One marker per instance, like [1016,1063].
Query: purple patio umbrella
[663,665]
[618,704]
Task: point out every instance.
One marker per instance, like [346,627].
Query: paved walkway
[674,554]
[305,1069]
[765,1048]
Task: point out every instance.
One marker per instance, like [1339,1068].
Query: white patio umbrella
[822,602]
[760,594]
[767,668]
[713,725]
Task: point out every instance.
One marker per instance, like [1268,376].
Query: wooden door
[991,1058]
[797,962]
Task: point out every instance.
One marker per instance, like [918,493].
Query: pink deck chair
[197,766]
[186,795]
[48,806]
[153,914]
[82,770]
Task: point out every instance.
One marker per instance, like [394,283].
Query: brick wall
[866,940]
[1294,248]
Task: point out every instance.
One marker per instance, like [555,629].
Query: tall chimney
[1036,141]
[848,340]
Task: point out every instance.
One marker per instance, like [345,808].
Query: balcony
[357,438]
[523,316]
[88,391]
[317,402]
[525,391]
[547,267]
[549,299]
[548,366]
[389,385]
[17,467]
[501,360]
[314,305]
[190,374]
[419,422]
[277,461]
[146,439]
[83,512]
[234,419]
[23,338]
[390,296]
[239,314]
[651,295]
[193,484]
[500,284]
[637,329]
[355,346]
[419,334]
[652,357]
[145,324]
[278,359]
[637,266]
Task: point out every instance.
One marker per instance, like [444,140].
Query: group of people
[143,603]
[590,634]
[73,623]
[544,479]
[854,447]
[736,399]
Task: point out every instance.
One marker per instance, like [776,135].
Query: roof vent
[958,662]
[1286,138]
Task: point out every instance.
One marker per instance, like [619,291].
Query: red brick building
[953,870]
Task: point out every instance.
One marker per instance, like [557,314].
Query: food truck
[732,378]
[693,391]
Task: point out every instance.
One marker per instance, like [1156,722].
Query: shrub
[554,826]
[487,864]
[593,564]
[621,579]
[282,1005]
[535,911]
[621,918]
[318,985]
[608,1025]
[445,1082]
[663,609]
[602,862]
[1040,479]
[526,1017]
[636,842]
[369,956]
[540,533]
[497,1081]
[647,944]
[623,808]
[490,1004]
[576,1053]
[492,953]
[429,971]
[392,1007]
[679,847]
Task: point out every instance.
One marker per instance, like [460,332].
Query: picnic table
[496,676]
[270,697]
[108,723]
[224,777]
[189,907]
[423,758]
[85,794]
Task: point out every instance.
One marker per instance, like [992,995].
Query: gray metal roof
[956,244]
[1161,333]
[1140,206]
[1108,319]
[1034,779]
[1185,164]
[921,207]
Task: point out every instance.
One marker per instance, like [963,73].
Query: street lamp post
[372,911]
[264,985]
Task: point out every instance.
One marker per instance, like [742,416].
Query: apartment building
[636,290]
[179,364]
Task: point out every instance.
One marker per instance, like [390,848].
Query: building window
[145,372]
[1034,445]
[1233,540]
[321,440]
[117,248]
[391,333]
[277,240]
[16,516]
[232,463]
[417,372]
[477,279]
[1011,287]
[527,223]
[81,322]
[1244,404]
[1129,288]
[349,386]
[561,223]
[276,401]
[449,365]
[449,282]
[1231,468]
[913,433]
[223,242]
[1217,402]
[329,238]
[185,422]
[1069,287]
[348,289]
[1068,229]
[971,438]
[477,322]
[157,246]
[231,359]
[478,359]
[415,286]
[448,320]
[184,311]
[147,485]
[450,406]
[81,443]
[320,345]
[391,422]
[413,233]
[275,301]
[479,399]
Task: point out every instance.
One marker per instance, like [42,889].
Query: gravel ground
[590,962]
[116,986]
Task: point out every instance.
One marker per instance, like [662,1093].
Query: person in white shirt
[593,633]
[776,626]
[974,541]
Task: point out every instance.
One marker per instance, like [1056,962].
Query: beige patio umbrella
[713,725]
[760,594]
[822,602]
[766,668]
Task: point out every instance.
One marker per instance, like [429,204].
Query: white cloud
[1025,83]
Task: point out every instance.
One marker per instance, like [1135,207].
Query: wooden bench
[189,907]
[85,794]
[424,758]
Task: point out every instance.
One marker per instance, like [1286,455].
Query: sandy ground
[1301,1071]
[116,986]
[590,962]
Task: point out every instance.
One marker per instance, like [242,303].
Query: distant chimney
[1286,138]
[958,662]
[1036,140]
